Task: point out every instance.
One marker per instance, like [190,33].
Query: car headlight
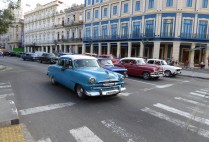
[92,80]
[123,78]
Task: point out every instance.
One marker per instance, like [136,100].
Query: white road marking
[164,86]
[3,83]
[84,134]
[124,94]
[177,122]
[190,101]
[182,113]
[6,95]
[195,109]
[122,132]
[45,108]
[45,140]
[204,90]
[199,95]
[205,93]
[5,86]
[142,82]
[6,90]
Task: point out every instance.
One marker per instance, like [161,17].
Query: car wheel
[167,73]
[80,92]
[146,75]
[53,81]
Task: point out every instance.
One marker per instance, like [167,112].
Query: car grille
[178,70]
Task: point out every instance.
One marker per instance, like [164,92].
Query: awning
[198,48]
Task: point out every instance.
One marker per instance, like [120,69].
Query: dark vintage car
[59,54]
[138,67]
[83,75]
[107,64]
[12,54]
[29,57]
[20,54]
[48,57]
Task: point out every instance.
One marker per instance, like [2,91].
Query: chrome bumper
[156,74]
[105,93]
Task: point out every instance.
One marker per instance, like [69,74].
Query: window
[89,2]
[104,31]
[96,32]
[97,13]
[88,32]
[202,30]
[136,29]
[187,28]
[114,10]
[97,1]
[149,31]
[169,3]
[204,3]
[150,62]
[189,3]
[167,28]
[114,30]
[105,12]
[88,15]
[125,8]
[124,30]
[151,4]
[137,8]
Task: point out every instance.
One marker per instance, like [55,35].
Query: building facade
[165,29]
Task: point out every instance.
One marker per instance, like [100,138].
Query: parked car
[5,53]
[30,57]
[20,54]
[168,69]
[110,56]
[83,75]
[48,57]
[107,64]
[59,54]
[91,54]
[138,67]
[12,54]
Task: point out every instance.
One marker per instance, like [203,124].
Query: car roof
[100,58]
[75,57]
[132,58]
[155,59]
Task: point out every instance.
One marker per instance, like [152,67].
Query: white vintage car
[168,69]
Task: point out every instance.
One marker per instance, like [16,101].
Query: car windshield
[105,62]
[164,62]
[141,62]
[51,55]
[81,63]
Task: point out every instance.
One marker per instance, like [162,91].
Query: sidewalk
[196,73]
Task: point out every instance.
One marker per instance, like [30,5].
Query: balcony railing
[167,35]
[194,36]
[74,23]
[69,40]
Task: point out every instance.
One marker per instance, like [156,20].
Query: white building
[166,29]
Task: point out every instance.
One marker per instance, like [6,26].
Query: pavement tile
[12,134]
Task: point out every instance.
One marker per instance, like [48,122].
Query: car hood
[171,67]
[114,68]
[100,74]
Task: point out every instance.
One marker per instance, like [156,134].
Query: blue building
[165,29]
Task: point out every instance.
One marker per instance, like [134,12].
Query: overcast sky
[33,3]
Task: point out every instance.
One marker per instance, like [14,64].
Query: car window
[68,63]
[126,61]
[105,62]
[150,62]
[61,62]
[157,62]
[85,63]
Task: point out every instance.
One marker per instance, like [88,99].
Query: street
[164,110]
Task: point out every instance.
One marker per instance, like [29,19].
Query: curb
[206,78]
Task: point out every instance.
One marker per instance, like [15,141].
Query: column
[42,48]
[83,48]
[141,50]
[108,47]
[46,49]
[156,50]
[70,49]
[191,56]
[65,48]
[176,49]
[60,48]
[118,49]
[206,56]
[76,49]
[51,49]
[91,48]
[129,49]
[100,48]
[76,33]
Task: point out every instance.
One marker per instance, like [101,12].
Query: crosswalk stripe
[202,92]
[190,101]
[182,113]
[6,95]
[5,86]
[45,140]
[45,108]
[84,134]
[3,83]
[122,132]
[199,95]
[177,122]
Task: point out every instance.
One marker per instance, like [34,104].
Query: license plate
[112,92]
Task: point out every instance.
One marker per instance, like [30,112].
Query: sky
[31,4]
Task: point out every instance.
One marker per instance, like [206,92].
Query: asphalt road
[164,110]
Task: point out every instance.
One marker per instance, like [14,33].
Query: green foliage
[18,49]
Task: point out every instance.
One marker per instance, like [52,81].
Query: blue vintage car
[107,64]
[83,75]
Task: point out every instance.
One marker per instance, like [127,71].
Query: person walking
[202,65]
[186,63]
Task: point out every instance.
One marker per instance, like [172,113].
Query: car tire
[53,81]
[146,75]
[80,92]
[167,73]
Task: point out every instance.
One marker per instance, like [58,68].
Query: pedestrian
[186,63]
[202,65]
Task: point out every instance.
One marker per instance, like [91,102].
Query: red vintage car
[138,67]
[110,56]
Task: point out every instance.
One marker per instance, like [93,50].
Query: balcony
[73,23]
[167,35]
[189,36]
[69,40]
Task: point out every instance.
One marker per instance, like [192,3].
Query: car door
[58,70]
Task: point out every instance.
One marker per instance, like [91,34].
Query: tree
[7,15]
